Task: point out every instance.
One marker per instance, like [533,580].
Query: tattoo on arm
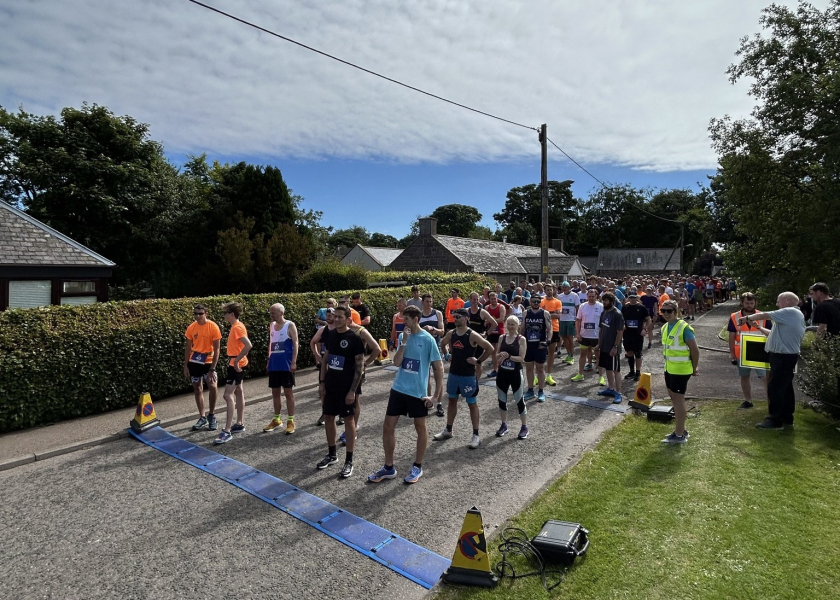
[357,375]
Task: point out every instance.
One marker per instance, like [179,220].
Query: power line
[355,66]
[604,185]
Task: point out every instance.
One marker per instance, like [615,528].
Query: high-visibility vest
[748,327]
[676,353]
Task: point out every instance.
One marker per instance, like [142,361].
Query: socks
[331,451]
[418,465]
[449,428]
[278,417]
[631,361]
[475,431]
[349,457]
[290,418]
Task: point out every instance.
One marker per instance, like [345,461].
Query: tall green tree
[383,240]
[456,219]
[523,205]
[779,176]
[349,237]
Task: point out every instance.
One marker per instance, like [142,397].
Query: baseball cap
[463,312]
[565,284]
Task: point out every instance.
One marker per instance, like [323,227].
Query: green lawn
[735,513]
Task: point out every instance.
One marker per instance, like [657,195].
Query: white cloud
[626,83]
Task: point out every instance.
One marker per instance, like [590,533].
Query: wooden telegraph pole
[544,200]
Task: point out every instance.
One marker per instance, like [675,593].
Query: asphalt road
[124,520]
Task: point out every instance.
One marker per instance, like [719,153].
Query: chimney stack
[558,244]
[428,226]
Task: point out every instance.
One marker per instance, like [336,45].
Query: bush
[60,362]
[819,375]
[422,277]
[332,276]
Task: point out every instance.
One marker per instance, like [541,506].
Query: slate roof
[625,259]
[384,256]
[25,241]
[486,256]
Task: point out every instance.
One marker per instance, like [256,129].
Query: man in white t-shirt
[570,302]
[587,329]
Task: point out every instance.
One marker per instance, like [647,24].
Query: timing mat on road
[418,564]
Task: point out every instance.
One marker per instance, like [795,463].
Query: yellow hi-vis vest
[676,353]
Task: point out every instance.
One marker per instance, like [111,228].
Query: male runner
[238,346]
[463,343]
[431,321]
[341,374]
[201,354]
[415,299]
[453,303]
[281,366]
[610,332]
[397,323]
[555,309]
[587,324]
[372,351]
[636,320]
[417,352]
[536,327]
[318,345]
[651,303]
[361,308]
[478,319]
[570,302]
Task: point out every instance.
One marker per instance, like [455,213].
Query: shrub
[332,276]
[421,277]
[819,375]
[60,362]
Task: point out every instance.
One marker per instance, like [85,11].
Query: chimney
[504,239]
[428,226]
[558,245]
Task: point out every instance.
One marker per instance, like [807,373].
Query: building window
[30,294]
[78,287]
[74,300]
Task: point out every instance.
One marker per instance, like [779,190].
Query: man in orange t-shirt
[555,308]
[452,304]
[200,357]
[238,346]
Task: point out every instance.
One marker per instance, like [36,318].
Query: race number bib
[198,357]
[565,311]
[411,365]
[277,348]
[589,326]
[336,363]
[533,334]
[632,323]
[508,365]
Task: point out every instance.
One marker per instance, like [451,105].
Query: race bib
[589,326]
[411,365]
[533,334]
[508,364]
[632,323]
[336,363]
[198,357]
[277,348]
[565,311]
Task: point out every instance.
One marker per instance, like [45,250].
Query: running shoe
[577,377]
[648,345]
[541,396]
[587,367]
[528,395]
[637,376]
[440,412]
[745,404]
[237,428]
[342,439]
[503,430]
[290,426]
[569,360]
[382,473]
[769,423]
[339,421]
[550,380]
[617,398]
[673,438]
[602,380]
[630,375]
[346,470]
[492,374]
[523,432]
[606,392]
[413,475]
[475,442]
[224,436]
[443,435]
[200,424]
[327,461]
[275,423]
[321,420]
[211,422]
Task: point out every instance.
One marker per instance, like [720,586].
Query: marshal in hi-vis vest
[743,328]
[676,352]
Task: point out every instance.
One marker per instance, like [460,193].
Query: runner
[201,354]
[281,366]
[463,344]
[417,353]
[570,302]
[510,354]
[361,308]
[431,321]
[372,351]
[586,330]
[555,309]
[318,346]
[691,290]
[397,323]
[748,307]
[496,310]
[238,346]
[651,303]
[477,319]
[453,303]
[354,314]
[516,308]
[681,358]
[636,321]
[321,316]
[342,367]
[610,332]
[415,299]
[536,327]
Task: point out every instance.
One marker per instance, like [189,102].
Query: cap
[461,311]
[565,284]
[330,309]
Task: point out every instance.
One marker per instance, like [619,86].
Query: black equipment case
[662,414]
[561,541]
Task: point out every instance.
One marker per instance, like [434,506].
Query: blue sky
[627,88]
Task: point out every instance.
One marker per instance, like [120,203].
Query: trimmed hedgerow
[421,277]
[61,362]
[332,275]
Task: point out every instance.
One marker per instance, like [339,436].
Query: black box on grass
[561,541]
[660,414]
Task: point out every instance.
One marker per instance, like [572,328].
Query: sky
[626,88]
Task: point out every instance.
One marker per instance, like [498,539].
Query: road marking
[414,562]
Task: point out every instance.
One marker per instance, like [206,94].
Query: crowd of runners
[519,333]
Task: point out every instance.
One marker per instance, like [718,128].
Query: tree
[456,219]
[779,174]
[524,206]
[517,233]
[355,234]
[381,240]
[480,232]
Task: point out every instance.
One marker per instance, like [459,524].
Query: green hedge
[330,275]
[61,362]
[422,277]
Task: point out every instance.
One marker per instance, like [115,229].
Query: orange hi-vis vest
[745,327]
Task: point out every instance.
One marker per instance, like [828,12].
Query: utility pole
[544,200]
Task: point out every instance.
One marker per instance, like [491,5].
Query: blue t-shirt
[688,334]
[690,287]
[619,294]
[786,336]
[322,314]
[421,351]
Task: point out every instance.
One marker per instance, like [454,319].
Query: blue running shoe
[492,374]
[617,398]
[413,475]
[541,396]
[523,433]
[503,430]
[587,367]
[381,474]
[223,437]
[529,395]
[606,392]
[237,428]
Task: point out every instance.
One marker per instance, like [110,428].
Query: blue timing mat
[421,566]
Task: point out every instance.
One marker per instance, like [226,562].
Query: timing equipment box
[660,414]
[560,541]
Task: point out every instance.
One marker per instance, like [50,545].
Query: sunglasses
[197,314]
[667,311]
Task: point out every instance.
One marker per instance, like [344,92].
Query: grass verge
[735,513]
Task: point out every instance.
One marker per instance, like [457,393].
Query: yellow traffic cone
[643,398]
[145,417]
[470,563]
[383,353]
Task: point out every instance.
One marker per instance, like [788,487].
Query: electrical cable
[355,66]
[515,542]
